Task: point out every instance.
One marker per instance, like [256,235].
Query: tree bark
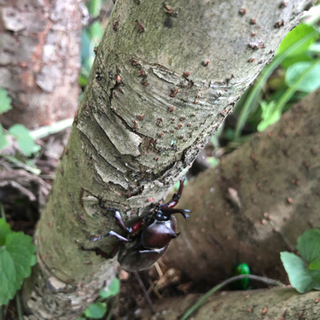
[161,84]
[40,60]
[256,202]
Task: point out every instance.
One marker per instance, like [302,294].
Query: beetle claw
[96,238]
[185,212]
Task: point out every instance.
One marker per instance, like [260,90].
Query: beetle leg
[175,198]
[117,215]
[103,254]
[95,238]
[115,250]
[111,234]
[99,252]
[118,236]
[167,208]
[159,251]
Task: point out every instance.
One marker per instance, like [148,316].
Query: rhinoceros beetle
[148,238]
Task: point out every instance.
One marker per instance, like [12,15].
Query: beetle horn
[170,211]
[184,212]
[174,235]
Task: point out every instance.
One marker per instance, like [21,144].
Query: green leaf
[113,289]
[242,268]
[87,52]
[286,63]
[82,80]
[294,36]
[96,310]
[300,277]
[96,32]
[94,7]
[309,246]
[25,141]
[213,161]
[4,231]
[7,277]
[255,91]
[314,48]
[309,83]
[238,269]
[270,114]
[16,257]
[315,279]
[315,265]
[5,101]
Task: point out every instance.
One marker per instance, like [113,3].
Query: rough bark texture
[141,123]
[273,176]
[273,304]
[40,60]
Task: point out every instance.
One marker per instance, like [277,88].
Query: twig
[45,131]
[20,317]
[144,291]
[203,299]
[112,307]
[157,266]
[155,290]
[3,216]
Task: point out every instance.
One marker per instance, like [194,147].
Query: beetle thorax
[159,233]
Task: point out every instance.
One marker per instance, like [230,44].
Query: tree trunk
[40,60]
[162,82]
[256,202]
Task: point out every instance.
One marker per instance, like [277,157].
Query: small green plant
[90,38]
[17,256]
[98,309]
[301,76]
[18,131]
[238,269]
[304,272]
[298,65]
[25,138]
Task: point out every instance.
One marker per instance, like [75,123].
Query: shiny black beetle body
[148,238]
[148,246]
